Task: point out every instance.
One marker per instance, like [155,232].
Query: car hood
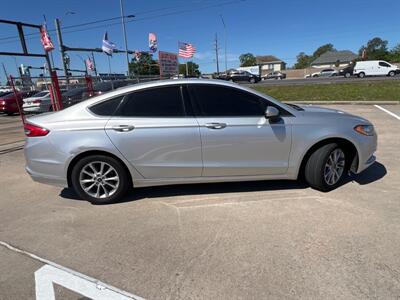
[318,111]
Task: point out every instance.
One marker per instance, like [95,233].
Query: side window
[106,108]
[383,64]
[153,102]
[224,101]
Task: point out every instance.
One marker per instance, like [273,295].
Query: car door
[384,68]
[237,139]
[155,133]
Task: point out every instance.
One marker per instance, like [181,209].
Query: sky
[262,27]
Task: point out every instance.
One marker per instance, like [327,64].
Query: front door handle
[216,125]
[123,128]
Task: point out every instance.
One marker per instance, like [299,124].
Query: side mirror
[271,112]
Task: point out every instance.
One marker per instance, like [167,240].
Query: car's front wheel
[100,179]
[252,80]
[326,167]
[391,73]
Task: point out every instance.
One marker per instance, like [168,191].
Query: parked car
[39,103]
[374,68]
[240,76]
[324,73]
[274,75]
[8,102]
[192,131]
[73,96]
[347,71]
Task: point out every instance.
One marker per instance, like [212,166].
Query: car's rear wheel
[347,75]
[391,73]
[100,179]
[326,167]
[361,75]
[252,80]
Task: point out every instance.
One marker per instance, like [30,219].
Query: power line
[15,38]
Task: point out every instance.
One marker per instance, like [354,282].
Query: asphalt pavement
[252,240]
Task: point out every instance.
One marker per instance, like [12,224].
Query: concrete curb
[346,102]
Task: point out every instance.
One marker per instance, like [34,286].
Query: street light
[226,59]
[124,32]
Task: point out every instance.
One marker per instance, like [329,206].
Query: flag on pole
[107,47]
[364,54]
[186,50]
[89,64]
[45,39]
[152,42]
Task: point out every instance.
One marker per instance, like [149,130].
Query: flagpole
[109,71]
[187,71]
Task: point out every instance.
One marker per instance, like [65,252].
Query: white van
[374,68]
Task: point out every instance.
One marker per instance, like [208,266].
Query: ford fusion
[192,131]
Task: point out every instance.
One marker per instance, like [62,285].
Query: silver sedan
[192,131]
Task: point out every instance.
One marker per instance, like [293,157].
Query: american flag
[186,50]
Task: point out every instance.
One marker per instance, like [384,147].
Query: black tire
[10,114]
[361,75]
[347,75]
[252,80]
[124,183]
[391,73]
[314,169]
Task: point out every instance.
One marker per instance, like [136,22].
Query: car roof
[170,82]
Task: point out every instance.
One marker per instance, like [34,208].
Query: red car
[8,103]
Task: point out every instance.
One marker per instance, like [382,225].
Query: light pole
[124,32]
[226,59]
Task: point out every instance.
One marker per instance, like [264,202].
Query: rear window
[106,108]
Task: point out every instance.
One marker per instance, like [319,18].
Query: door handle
[123,128]
[216,125]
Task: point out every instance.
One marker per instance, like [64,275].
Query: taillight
[34,131]
[37,101]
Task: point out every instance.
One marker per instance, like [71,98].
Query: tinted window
[106,108]
[383,64]
[225,101]
[156,102]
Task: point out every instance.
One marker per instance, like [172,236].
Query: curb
[347,102]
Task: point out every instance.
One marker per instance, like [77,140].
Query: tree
[376,49]
[323,49]
[146,65]
[394,55]
[193,69]
[303,61]
[247,60]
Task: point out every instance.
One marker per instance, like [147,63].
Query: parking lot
[253,240]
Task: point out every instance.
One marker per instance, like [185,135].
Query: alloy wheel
[99,179]
[334,167]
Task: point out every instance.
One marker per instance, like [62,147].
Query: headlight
[365,129]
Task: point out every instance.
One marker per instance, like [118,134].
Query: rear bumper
[45,179]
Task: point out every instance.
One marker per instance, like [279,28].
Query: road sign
[169,65]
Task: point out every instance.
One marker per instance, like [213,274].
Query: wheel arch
[84,154]
[351,153]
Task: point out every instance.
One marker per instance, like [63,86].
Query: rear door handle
[216,125]
[123,128]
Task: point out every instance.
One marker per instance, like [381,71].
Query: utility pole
[124,32]
[226,58]
[62,52]
[216,52]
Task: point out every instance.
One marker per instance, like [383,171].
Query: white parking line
[70,279]
[388,112]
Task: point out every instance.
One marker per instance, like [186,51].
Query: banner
[45,39]
[152,42]
[168,62]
